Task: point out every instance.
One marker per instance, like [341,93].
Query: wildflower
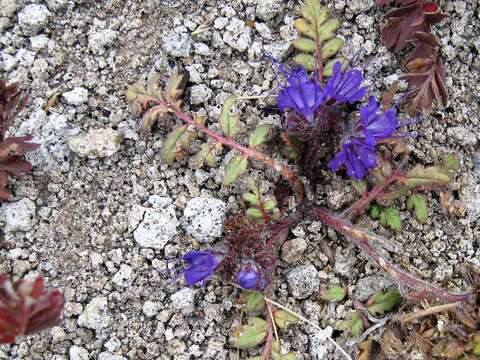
[249,276]
[358,155]
[344,87]
[201,266]
[376,124]
[303,95]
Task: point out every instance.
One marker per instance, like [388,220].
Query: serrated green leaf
[421,176]
[254,213]
[276,353]
[270,205]
[306,45]
[380,303]
[418,204]
[327,30]
[259,135]
[391,217]
[283,318]
[305,28]
[328,68]
[314,12]
[307,61]
[331,47]
[352,322]
[375,211]
[170,145]
[229,122]
[254,188]
[249,335]
[251,198]
[334,293]
[254,302]
[235,168]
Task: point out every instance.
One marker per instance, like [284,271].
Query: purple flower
[249,276]
[358,155]
[375,123]
[303,95]
[344,87]
[201,266]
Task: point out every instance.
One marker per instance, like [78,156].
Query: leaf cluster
[319,42]
[261,208]
[411,22]
[12,149]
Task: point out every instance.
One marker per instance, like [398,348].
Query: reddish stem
[363,241]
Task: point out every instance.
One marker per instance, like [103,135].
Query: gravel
[303,281]
[96,143]
[203,218]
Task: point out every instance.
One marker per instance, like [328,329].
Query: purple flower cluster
[305,97]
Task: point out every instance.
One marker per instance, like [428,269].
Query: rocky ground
[101,216]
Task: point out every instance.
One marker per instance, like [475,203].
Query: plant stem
[363,241]
[430,311]
[287,173]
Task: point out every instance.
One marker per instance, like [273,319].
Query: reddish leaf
[26,307]
[12,102]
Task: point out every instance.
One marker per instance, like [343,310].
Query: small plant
[26,307]
[328,125]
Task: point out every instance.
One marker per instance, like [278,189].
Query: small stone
[268,9]
[108,356]
[96,260]
[320,345]
[339,197]
[8,7]
[202,49]
[303,281]
[99,40]
[151,308]
[279,49]
[33,18]
[204,218]
[238,35]
[263,30]
[8,62]
[367,286]
[124,277]
[292,250]
[95,315]
[177,45]
[39,42]
[462,136]
[112,344]
[184,300]
[19,215]
[158,225]
[77,96]
[200,94]
[56,4]
[78,353]
[344,262]
[96,143]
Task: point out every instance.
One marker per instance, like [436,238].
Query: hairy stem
[430,311]
[363,241]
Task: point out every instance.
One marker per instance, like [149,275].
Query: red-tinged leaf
[12,101]
[16,147]
[27,307]
[17,168]
[425,46]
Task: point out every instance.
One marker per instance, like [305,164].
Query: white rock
[78,353]
[56,4]
[200,94]
[320,346]
[238,35]
[177,45]
[202,49]
[96,143]
[159,223]
[108,356]
[38,42]
[204,218]
[33,18]
[112,344]
[95,315]
[151,308]
[184,300]
[9,62]
[462,135]
[77,96]
[8,7]
[100,39]
[268,9]
[303,281]
[25,57]
[19,215]
[124,276]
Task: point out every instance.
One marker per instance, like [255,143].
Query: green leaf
[254,302]
[251,198]
[229,122]
[328,68]
[254,213]
[236,167]
[360,186]
[276,353]
[259,135]
[207,154]
[314,12]
[305,45]
[331,47]
[380,303]
[334,293]
[283,318]
[249,335]
[270,205]
[305,28]
[170,145]
[476,345]
[307,61]
[353,322]
[391,217]
[327,30]
[375,211]
[419,205]
[450,162]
